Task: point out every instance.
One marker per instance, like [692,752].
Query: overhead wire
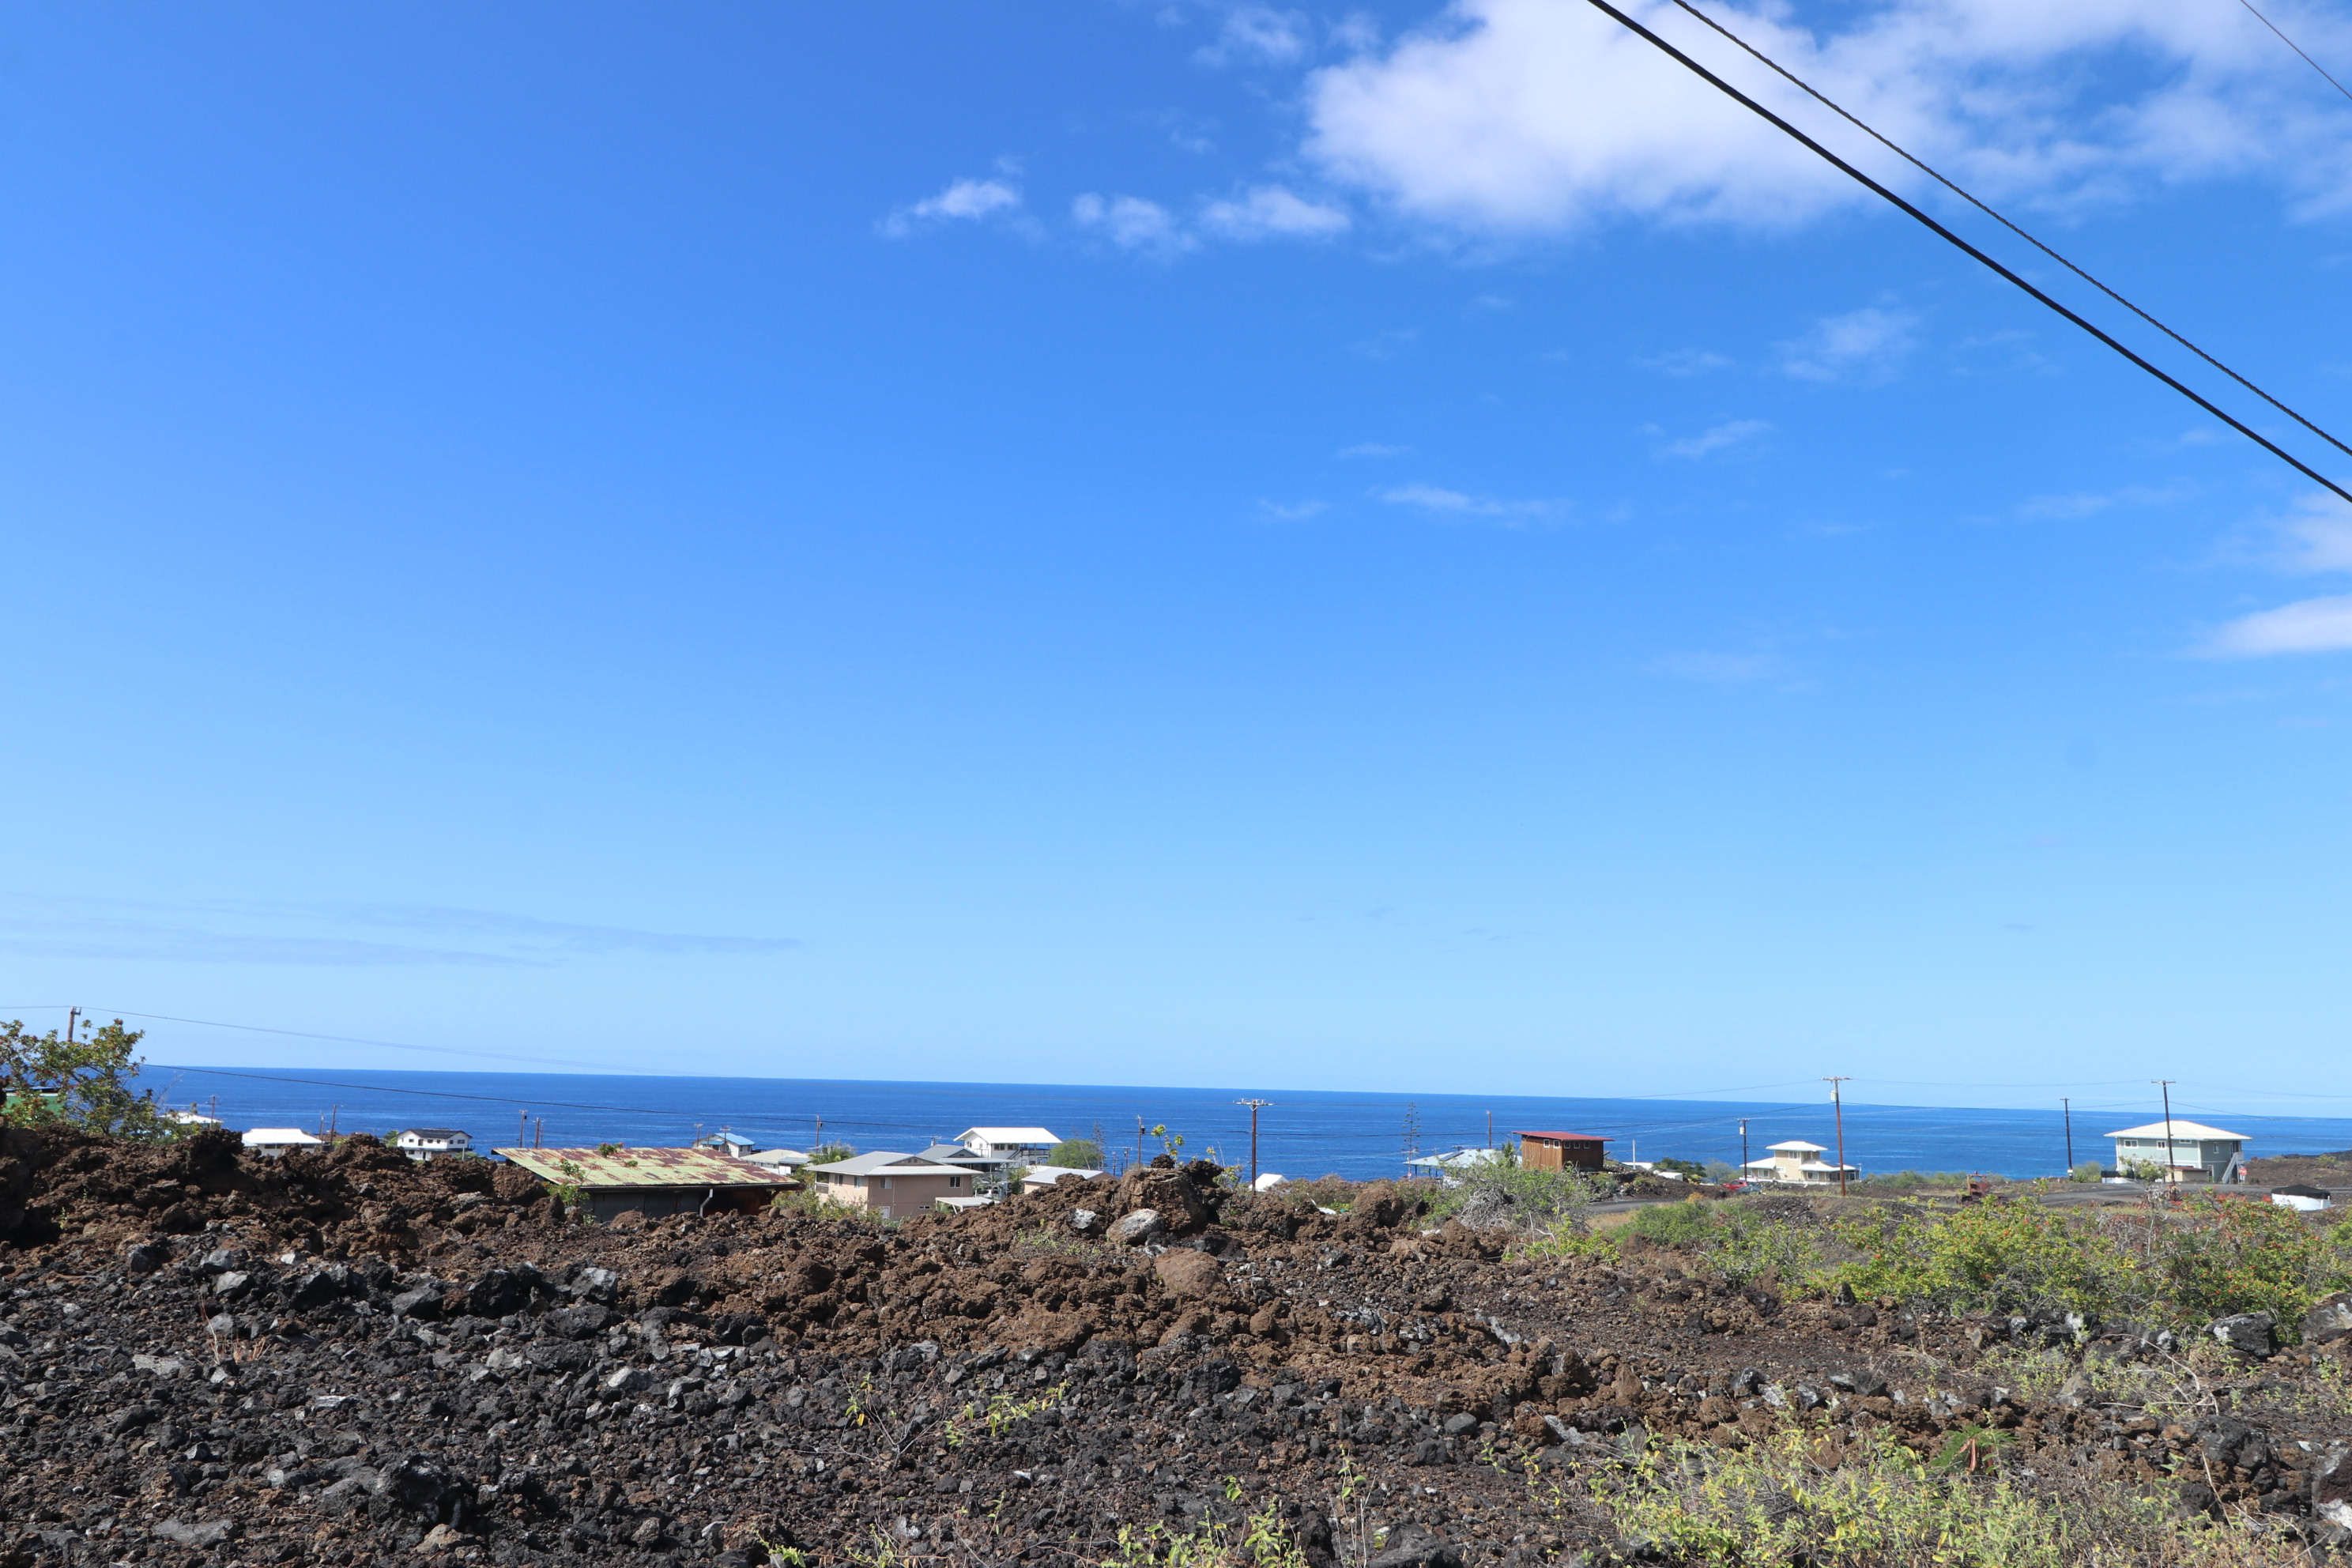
[1928,222]
[2291,44]
[1808,89]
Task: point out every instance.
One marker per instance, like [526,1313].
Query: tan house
[1799,1163]
[891,1185]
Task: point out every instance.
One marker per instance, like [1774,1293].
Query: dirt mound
[340,1358]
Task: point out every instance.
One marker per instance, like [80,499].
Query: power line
[1808,89]
[2291,44]
[2240,426]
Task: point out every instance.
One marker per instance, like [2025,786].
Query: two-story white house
[2190,1151]
[433,1143]
[1009,1145]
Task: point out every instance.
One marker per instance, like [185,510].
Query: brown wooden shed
[1559,1151]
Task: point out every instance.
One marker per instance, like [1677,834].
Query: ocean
[1301,1133]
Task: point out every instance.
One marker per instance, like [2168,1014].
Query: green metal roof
[645,1168]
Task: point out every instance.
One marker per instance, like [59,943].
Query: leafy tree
[1076,1155]
[84,1083]
[2088,1171]
[830,1153]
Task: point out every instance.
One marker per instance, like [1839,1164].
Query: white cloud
[1132,223]
[1861,344]
[1684,361]
[2321,533]
[1523,116]
[1372,450]
[2072,504]
[1716,438]
[1461,504]
[2319,538]
[1270,211]
[1292,511]
[964,199]
[1728,668]
[1257,35]
[2308,625]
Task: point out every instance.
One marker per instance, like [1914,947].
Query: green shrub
[2088,1171]
[1674,1225]
[1076,1154]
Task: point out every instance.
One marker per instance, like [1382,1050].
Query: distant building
[1799,1163]
[274,1141]
[656,1182]
[1559,1151]
[1018,1145]
[433,1143]
[191,1118]
[727,1143]
[776,1159]
[2191,1151]
[1040,1177]
[1451,1167]
[891,1185]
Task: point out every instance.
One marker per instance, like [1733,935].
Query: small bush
[1674,1225]
[2088,1171]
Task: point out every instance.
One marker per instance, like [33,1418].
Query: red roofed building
[1559,1151]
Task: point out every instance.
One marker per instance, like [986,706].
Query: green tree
[1076,1155]
[82,1083]
[830,1153]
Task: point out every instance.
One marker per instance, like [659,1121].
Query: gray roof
[954,1154]
[879,1161]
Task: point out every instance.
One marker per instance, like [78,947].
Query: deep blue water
[1303,1133]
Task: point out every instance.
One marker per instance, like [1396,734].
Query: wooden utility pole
[1139,1139]
[522,1124]
[1837,1098]
[72,1015]
[2170,1175]
[1743,1148]
[1254,1105]
[2066,1108]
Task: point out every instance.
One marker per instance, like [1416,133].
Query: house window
[886,1182]
[954,1181]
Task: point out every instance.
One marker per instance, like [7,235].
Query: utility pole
[1139,1139]
[2066,1108]
[522,1124]
[2170,1175]
[1743,1148]
[1490,1132]
[539,1134]
[1837,1098]
[1254,1105]
[71,1015]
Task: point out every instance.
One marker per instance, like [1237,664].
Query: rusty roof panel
[647,1168]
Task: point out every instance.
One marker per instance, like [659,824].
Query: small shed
[1559,1151]
[656,1182]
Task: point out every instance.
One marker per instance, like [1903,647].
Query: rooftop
[2181,1129]
[280,1135]
[1800,1144]
[882,1162]
[1008,1135]
[644,1168]
[444,1133]
[1567,1137]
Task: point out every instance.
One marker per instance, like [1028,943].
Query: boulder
[1170,1194]
[1135,1228]
[206,1532]
[2331,1487]
[2255,1333]
[1188,1273]
[2329,1320]
[146,1257]
[1085,1222]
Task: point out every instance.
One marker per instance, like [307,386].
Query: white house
[1449,1168]
[1019,1145]
[273,1141]
[433,1143]
[2191,1151]
[1799,1163]
[776,1159]
[190,1118]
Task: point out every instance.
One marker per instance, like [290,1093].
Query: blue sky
[1389,547]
